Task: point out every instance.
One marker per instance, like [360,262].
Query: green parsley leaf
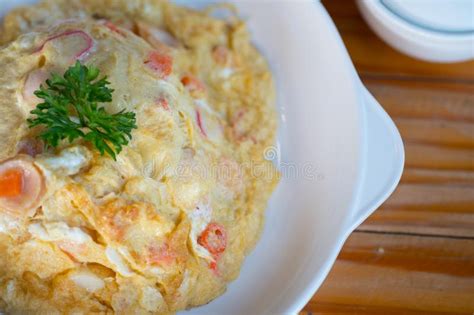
[70,111]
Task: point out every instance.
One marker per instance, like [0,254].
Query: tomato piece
[11,183]
[214,239]
[161,64]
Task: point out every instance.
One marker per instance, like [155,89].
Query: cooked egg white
[68,162]
[200,217]
[58,231]
[116,259]
[88,281]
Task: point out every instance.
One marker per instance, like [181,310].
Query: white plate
[347,154]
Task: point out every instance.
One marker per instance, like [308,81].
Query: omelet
[167,224]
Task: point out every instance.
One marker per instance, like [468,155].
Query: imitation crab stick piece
[32,83]
[82,44]
[161,64]
[114,28]
[31,147]
[21,186]
[200,123]
[221,54]
[238,126]
[214,239]
[161,255]
[156,37]
[163,103]
[193,85]
[11,183]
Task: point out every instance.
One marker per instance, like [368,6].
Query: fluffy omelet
[167,224]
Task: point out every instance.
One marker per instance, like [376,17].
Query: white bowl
[423,29]
[347,153]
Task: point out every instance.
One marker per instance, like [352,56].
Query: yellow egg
[167,224]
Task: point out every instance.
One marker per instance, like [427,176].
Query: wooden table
[414,255]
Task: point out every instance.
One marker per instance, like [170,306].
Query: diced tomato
[193,85]
[214,239]
[200,123]
[114,28]
[11,183]
[161,64]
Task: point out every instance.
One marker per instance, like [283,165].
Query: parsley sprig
[70,110]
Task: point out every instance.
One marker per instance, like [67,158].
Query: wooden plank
[435,207]
[456,134]
[333,308]
[398,274]
[424,100]
[438,157]
[372,56]
[436,194]
[434,198]
[446,223]
[432,176]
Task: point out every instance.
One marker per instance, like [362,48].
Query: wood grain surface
[414,255]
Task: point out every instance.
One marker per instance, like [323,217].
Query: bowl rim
[372,110]
[414,40]
[308,291]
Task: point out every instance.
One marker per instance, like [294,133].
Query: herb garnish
[70,110]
